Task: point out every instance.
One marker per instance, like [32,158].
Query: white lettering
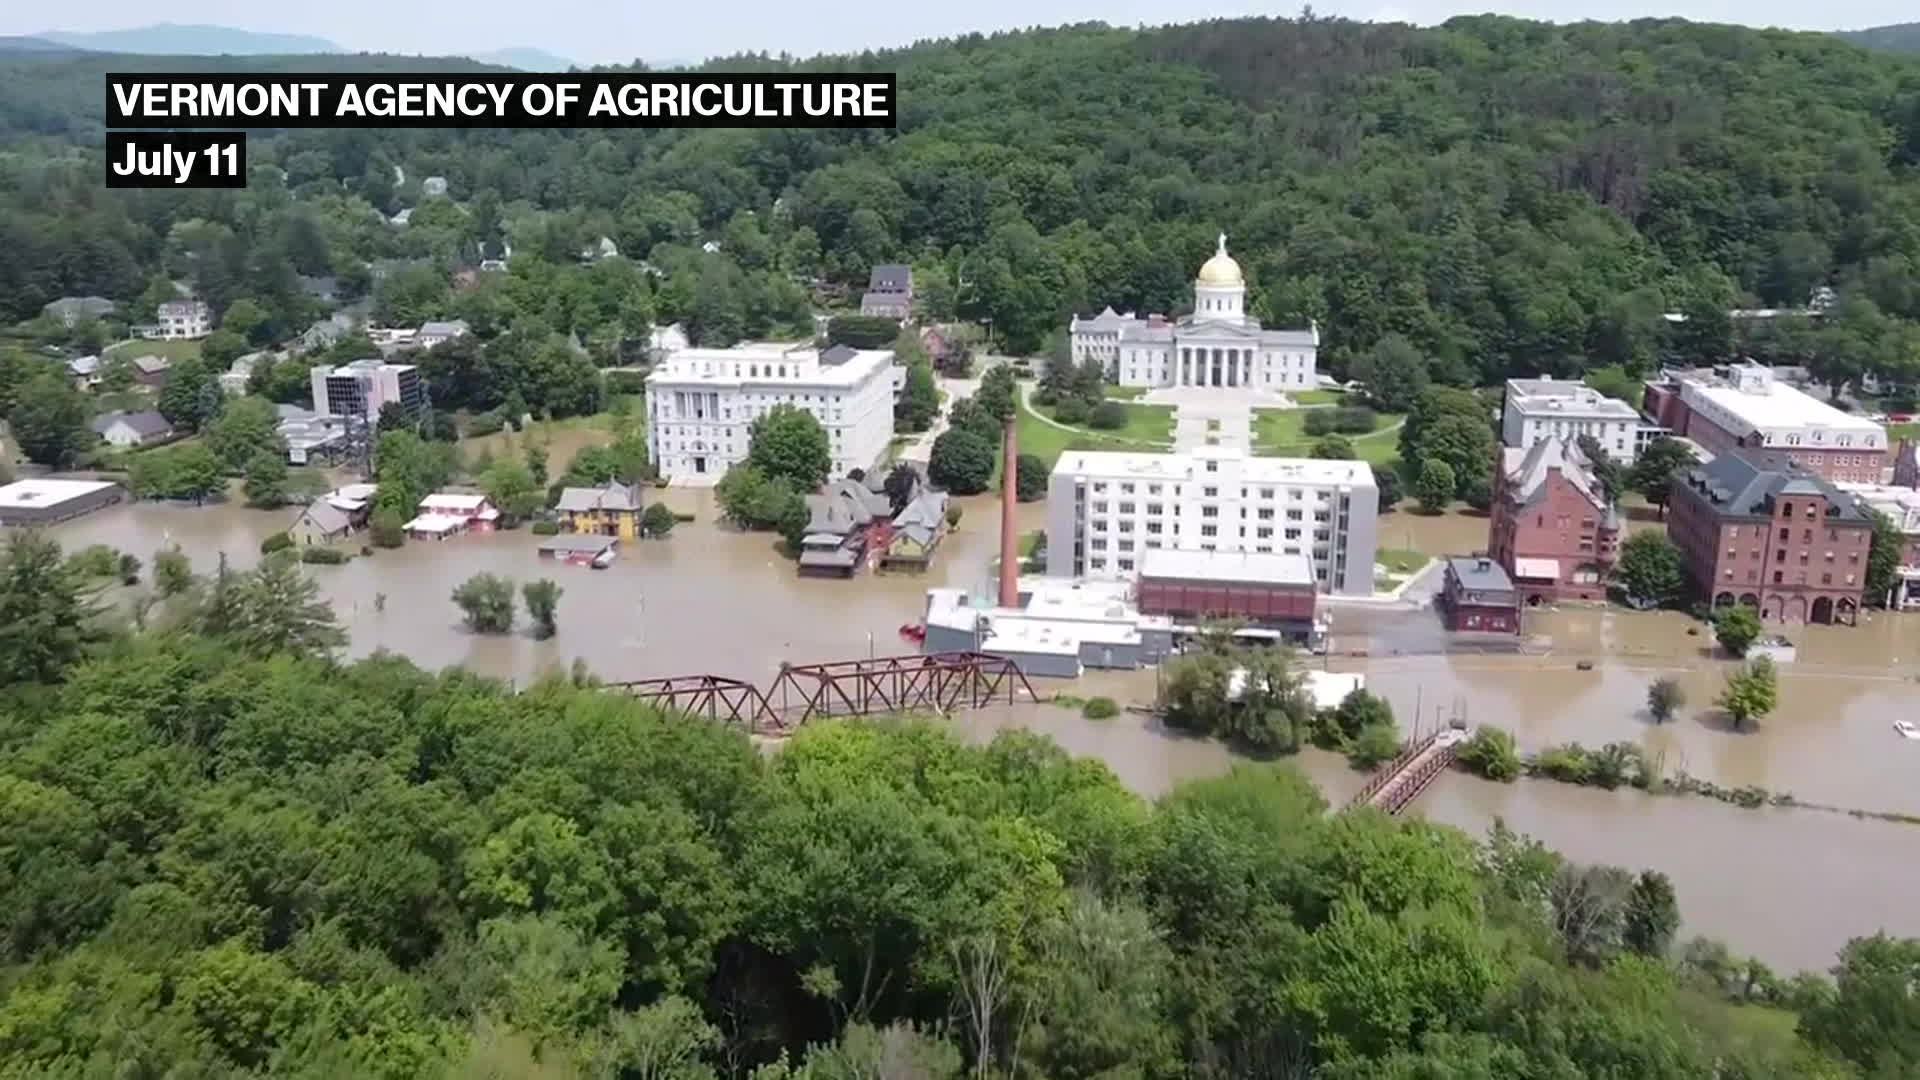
[569,96]
[351,103]
[540,91]
[128,97]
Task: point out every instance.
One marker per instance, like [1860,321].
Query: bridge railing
[1391,769]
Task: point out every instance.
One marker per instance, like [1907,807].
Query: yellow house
[612,509]
[917,531]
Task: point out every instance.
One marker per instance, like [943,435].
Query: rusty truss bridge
[1403,779]
[919,682]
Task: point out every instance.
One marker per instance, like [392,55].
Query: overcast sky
[606,31]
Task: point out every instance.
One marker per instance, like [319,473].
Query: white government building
[1106,509]
[1218,345]
[1545,408]
[700,403]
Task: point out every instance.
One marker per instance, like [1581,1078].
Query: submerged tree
[487,602]
[543,598]
[277,609]
[47,617]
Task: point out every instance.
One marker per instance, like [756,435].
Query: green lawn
[1047,442]
[1317,397]
[1896,432]
[1400,560]
[1125,393]
[1282,433]
[175,350]
[1146,425]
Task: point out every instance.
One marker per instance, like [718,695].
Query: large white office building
[1106,510]
[700,403]
[364,387]
[1545,408]
[1218,345]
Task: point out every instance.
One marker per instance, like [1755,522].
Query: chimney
[1009,547]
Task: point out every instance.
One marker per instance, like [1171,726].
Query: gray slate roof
[608,496]
[891,278]
[151,364]
[451,328]
[1479,574]
[147,424]
[324,516]
[1739,484]
[1527,470]
[923,517]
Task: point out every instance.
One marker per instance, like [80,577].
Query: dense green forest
[223,853]
[1509,196]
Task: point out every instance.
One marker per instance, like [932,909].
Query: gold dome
[1221,269]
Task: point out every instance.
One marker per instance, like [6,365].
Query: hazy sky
[605,31]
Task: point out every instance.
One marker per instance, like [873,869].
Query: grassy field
[1282,433]
[1400,560]
[1896,432]
[1317,397]
[1125,393]
[1047,442]
[175,350]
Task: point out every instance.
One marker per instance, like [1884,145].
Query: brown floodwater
[1788,885]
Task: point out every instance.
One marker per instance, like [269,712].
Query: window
[1153,509]
[1098,543]
[1266,493]
[1263,533]
[1209,530]
[1126,564]
[1153,528]
[1213,466]
[1126,508]
[1209,511]
[1826,579]
[1210,492]
[1126,526]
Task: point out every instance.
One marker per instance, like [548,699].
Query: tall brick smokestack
[1009,548]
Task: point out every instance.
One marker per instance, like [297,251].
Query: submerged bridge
[930,682]
[1402,780]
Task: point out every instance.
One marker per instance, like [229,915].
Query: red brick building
[1743,407]
[1758,530]
[1477,595]
[1266,590]
[1553,531]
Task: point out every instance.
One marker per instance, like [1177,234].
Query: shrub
[544,528]
[324,556]
[95,561]
[1375,744]
[1491,753]
[486,423]
[1100,708]
[1108,416]
[277,542]
[657,521]
[389,529]
[1664,698]
[366,549]
[953,516]
[1569,764]
[1071,410]
[626,382]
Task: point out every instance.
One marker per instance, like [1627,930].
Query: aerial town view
[1215,547]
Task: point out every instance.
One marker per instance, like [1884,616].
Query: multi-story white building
[1104,510]
[700,403]
[182,319]
[1218,345]
[1546,408]
[363,387]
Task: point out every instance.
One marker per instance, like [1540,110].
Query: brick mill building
[1553,531]
[1745,407]
[1757,529]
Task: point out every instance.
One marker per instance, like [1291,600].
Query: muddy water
[1791,886]
[708,599]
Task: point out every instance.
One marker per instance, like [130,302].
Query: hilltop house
[889,292]
[612,509]
[85,371]
[151,369]
[181,320]
[916,531]
[71,310]
[125,429]
[435,333]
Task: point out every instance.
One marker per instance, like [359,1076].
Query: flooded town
[1203,506]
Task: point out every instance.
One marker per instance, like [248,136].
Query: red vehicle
[1900,418]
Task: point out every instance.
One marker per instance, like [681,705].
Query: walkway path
[919,449]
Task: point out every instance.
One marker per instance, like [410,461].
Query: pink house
[442,514]
[1553,530]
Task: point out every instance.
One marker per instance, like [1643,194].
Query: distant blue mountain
[33,45]
[1901,37]
[174,39]
[538,60]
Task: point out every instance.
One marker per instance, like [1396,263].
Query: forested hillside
[223,855]
[1510,196]
[1900,37]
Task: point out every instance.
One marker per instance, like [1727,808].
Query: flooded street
[1788,885]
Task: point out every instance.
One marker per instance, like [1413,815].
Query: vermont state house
[1217,345]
